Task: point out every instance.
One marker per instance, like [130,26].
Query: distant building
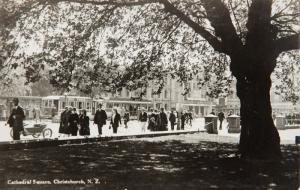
[232,103]
[171,97]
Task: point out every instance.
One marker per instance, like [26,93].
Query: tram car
[52,106]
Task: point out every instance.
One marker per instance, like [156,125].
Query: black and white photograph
[149,94]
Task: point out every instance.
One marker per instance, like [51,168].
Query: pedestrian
[163,120]
[230,113]
[34,114]
[143,119]
[152,120]
[84,122]
[183,119]
[213,112]
[126,118]
[15,120]
[221,118]
[172,119]
[64,122]
[190,117]
[100,118]
[115,121]
[179,115]
[74,121]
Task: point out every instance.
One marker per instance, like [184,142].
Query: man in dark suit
[16,118]
[172,119]
[73,122]
[221,118]
[100,118]
[163,120]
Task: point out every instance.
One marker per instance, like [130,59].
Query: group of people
[158,121]
[71,122]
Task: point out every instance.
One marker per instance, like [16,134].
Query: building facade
[171,97]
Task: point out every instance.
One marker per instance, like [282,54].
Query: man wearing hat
[16,118]
[100,118]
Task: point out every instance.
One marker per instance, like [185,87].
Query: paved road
[287,136]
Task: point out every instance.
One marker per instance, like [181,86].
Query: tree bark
[259,137]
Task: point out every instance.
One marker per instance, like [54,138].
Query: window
[166,93]
[127,93]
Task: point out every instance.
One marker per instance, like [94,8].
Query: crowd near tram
[76,115]
[74,122]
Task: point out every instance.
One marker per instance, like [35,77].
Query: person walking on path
[84,122]
[115,121]
[172,119]
[221,118]
[64,122]
[163,120]
[183,119]
[16,118]
[126,119]
[74,121]
[143,119]
[100,118]
[152,121]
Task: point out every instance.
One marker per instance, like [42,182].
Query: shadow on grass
[150,165]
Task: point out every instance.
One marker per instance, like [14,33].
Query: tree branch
[119,3]
[219,17]
[212,40]
[288,43]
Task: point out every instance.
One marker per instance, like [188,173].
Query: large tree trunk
[259,138]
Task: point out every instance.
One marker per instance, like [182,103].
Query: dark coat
[126,116]
[163,121]
[143,117]
[172,118]
[152,123]
[84,122]
[221,116]
[116,121]
[100,117]
[16,118]
[183,117]
[74,121]
[64,122]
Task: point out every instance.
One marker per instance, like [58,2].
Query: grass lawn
[160,163]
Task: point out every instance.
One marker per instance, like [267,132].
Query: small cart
[36,131]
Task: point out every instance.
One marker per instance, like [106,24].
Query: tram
[54,105]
